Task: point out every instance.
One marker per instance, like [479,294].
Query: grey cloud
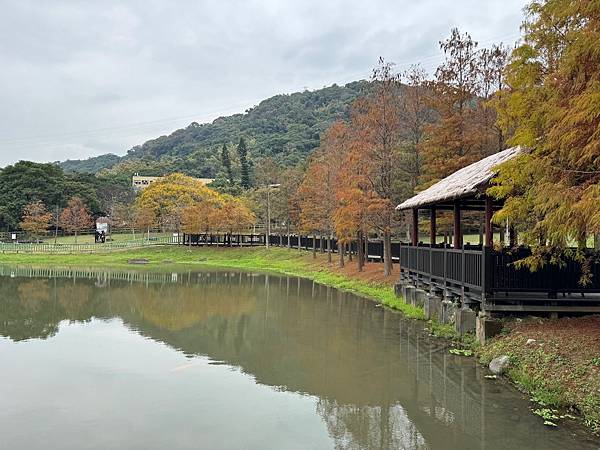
[81,78]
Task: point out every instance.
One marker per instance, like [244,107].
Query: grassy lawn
[280,260]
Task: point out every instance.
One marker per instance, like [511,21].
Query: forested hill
[286,127]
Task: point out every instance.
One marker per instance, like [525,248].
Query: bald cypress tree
[245,169]
[551,103]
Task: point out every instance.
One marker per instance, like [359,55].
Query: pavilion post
[457,241]
[415,227]
[432,226]
[489,235]
[512,236]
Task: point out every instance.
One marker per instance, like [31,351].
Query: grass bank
[557,362]
[279,260]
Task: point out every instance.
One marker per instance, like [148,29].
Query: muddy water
[225,360]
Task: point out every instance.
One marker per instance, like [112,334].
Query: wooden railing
[479,271]
[59,248]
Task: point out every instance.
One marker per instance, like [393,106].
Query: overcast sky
[79,78]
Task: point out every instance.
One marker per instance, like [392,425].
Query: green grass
[279,260]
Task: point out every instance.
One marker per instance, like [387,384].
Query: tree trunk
[314,246]
[350,251]
[329,248]
[341,253]
[366,244]
[387,253]
[321,244]
[76,237]
[359,250]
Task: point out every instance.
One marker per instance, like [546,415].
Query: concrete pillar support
[432,306]
[408,293]
[486,327]
[419,298]
[464,321]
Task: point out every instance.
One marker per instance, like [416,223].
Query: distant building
[142,182]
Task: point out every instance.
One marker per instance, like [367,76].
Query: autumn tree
[317,193]
[75,217]
[287,202]
[463,132]
[491,65]
[415,114]
[123,217]
[199,218]
[232,215]
[168,197]
[267,177]
[313,214]
[36,219]
[376,124]
[552,190]
[144,219]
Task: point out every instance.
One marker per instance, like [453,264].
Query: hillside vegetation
[285,127]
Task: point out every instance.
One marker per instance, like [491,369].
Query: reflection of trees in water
[33,307]
[175,308]
[76,300]
[362,362]
[368,427]
[27,309]
[34,294]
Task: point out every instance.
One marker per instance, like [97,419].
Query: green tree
[244,166]
[226,160]
[27,181]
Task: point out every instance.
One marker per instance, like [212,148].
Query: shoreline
[527,361]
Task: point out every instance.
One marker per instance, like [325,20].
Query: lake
[235,360]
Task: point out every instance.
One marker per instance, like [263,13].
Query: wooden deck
[488,280]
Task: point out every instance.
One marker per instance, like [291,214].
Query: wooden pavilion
[480,277]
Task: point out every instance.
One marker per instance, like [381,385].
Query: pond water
[227,360]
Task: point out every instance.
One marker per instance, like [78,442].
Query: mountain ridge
[286,127]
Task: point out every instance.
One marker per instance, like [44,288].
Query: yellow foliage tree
[167,198]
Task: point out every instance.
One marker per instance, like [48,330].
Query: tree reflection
[365,427]
[378,384]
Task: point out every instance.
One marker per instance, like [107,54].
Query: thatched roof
[466,182]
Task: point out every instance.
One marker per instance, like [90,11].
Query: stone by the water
[499,365]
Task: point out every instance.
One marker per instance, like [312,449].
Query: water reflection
[379,381]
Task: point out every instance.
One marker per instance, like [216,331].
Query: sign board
[102,226]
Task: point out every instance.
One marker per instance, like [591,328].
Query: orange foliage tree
[36,219]
[75,217]
[317,193]
[232,215]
